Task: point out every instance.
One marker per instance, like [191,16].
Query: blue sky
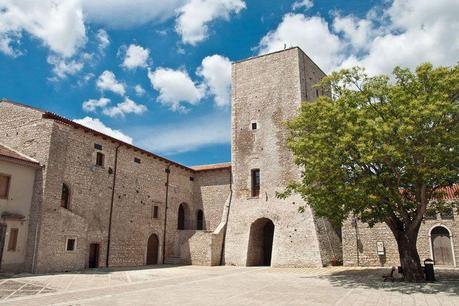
[157,73]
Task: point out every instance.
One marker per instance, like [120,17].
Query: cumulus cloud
[59,25]
[139,90]
[63,67]
[186,136]
[96,124]
[103,39]
[194,17]
[311,34]
[126,107]
[216,72]
[175,87]
[136,56]
[92,104]
[305,4]
[107,81]
[405,33]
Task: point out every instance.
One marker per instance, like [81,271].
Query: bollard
[429,270]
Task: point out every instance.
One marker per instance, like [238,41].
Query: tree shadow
[447,281]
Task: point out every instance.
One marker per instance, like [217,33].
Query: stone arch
[183,217]
[259,251]
[152,250]
[441,245]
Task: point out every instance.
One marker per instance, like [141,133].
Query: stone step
[173,260]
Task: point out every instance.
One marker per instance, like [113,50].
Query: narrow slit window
[13,241]
[255,182]
[155,212]
[100,159]
[4,186]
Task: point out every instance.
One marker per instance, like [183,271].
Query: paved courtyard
[194,285]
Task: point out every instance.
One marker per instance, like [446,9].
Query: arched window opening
[65,196]
[200,220]
[181,217]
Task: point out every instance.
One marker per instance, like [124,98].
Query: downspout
[168,171]
[227,218]
[111,207]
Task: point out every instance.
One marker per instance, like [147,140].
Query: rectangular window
[4,186]
[13,241]
[317,93]
[155,212]
[70,244]
[255,182]
[137,160]
[97,146]
[447,213]
[100,159]
[254,125]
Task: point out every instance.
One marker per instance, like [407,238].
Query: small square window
[137,160]
[254,125]
[4,186]
[97,146]
[155,212]
[100,159]
[71,244]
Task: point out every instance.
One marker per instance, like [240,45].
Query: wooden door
[441,246]
[152,250]
[94,255]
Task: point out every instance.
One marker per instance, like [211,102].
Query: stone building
[98,201]
[437,240]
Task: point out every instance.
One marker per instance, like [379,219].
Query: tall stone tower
[262,229]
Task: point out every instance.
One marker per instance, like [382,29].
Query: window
[155,212]
[199,220]
[137,160]
[4,186]
[254,125]
[447,213]
[65,196]
[71,244]
[97,146]
[255,182]
[13,241]
[317,93]
[100,159]
[431,214]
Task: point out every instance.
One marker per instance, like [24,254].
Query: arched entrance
[260,243]
[183,217]
[152,250]
[441,246]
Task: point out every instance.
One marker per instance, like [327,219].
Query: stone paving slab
[194,285]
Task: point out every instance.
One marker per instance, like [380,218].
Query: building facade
[99,202]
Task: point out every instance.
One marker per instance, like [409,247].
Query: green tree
[380,149]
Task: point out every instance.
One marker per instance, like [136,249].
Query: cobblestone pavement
[194,285]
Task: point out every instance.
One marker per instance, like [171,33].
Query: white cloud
[136,56]
[216,71]
[139,91]
[126,107]
[96,124]
[357,32]
[59,25]
[129,13]
[91,105]
[103,39]
[63,67]
[107,81]
[186,136]
[194,17]
[309,33]
[306,4]
[175,87]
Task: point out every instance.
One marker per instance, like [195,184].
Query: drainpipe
[111,207]
[227,217]
[168,171]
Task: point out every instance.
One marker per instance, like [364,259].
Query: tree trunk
[409,257]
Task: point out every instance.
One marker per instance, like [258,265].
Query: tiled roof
[212,167]
[11,154]
[450,193]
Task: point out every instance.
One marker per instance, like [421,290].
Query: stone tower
[262,229]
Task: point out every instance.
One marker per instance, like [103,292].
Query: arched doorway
[152,250]
[182,217]
[441,246]
[260,243]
